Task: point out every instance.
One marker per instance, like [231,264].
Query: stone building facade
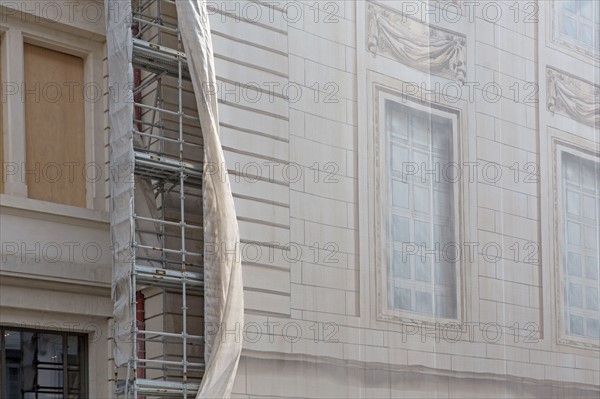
[417,186]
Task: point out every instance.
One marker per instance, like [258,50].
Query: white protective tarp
[222,264]
[120,78]
[224,303]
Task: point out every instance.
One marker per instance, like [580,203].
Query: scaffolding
[167,358]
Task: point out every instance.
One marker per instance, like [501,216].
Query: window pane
[400,194]
[423,268]
[398,122]
[586,9]
[573,202]
[399,157]
[575,296]
[422,234]
[401,266]
[570,5]
[591,238]
[424,303]
[35,364]
[576,325]
[581,194]
[402,298]
[421,199]
[593,328]
[586,35]
[421,211]
[573,233]
[400,229]
[591,268]
[420,129]
[591,298]
[569,27]
[574,264]
[589,207]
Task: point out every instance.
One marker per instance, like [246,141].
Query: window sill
[32,208]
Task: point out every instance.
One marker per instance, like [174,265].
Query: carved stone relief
[433,50]
[573,97]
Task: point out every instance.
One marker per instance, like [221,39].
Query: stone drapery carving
[413,43]
[573,97]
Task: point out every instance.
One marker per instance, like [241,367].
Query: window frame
[560,147]
[577,47]
[383,311]
[84,356]
[69,40]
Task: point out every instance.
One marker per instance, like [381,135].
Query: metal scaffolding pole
[167,263]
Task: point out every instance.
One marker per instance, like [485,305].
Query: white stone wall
[296,108]
[511,294]
[55,260]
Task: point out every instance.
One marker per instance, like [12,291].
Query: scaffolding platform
[156,388]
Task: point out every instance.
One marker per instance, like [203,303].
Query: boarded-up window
[55,126]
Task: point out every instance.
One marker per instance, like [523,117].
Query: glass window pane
[591,298]
[586,34]
[400,229]
[441,203]
[593,328]
[589,207]
[399,158]
[402,298]
[573,202]
[574,264]
[50,348]
[423,302]
[423,268]
[422,233]
[445,306]
[569,5]
[50,378]
[576,325]
[421,199]
[586,9]
[397,121]
[591,237]
[400,194]
[589,176]
[569,27]
[420,129]
[573,233]
[575,296]
[74,345]
[401,265]
[591,267]
[444,273]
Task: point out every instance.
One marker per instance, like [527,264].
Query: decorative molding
[380,91]
[573,97]
[429,49]
[563,143]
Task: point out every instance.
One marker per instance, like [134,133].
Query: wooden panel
[55,126]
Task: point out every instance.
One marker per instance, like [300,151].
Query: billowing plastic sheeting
[123,184]
[224,304]
[119,48]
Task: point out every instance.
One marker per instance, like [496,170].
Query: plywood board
[55,126]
